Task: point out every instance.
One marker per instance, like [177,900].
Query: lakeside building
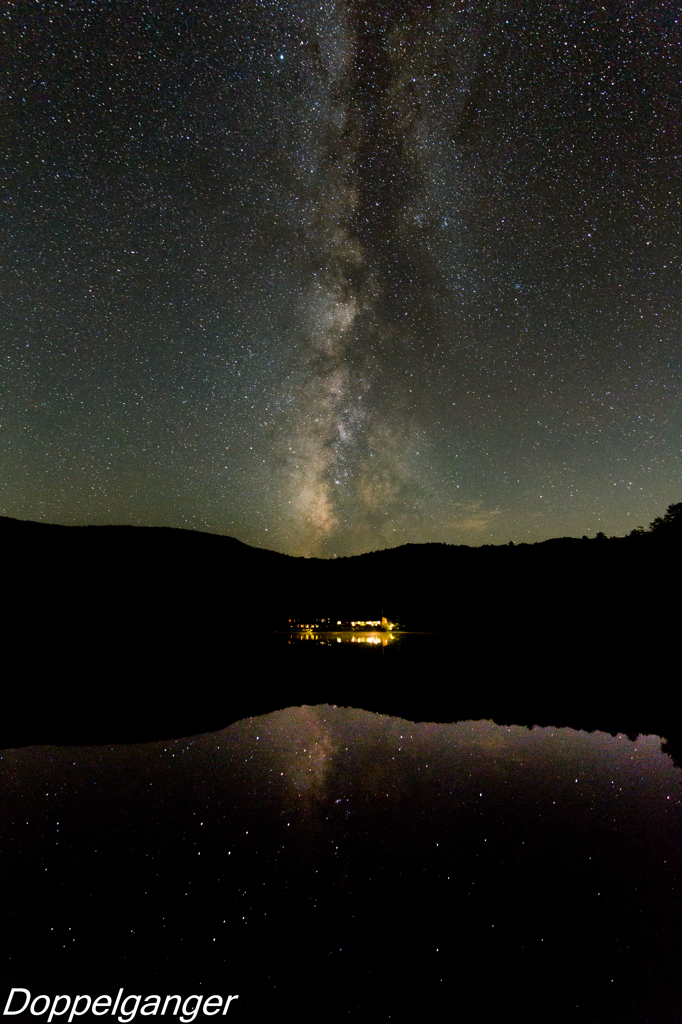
[330,625]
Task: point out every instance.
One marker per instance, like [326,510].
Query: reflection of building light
[377,632]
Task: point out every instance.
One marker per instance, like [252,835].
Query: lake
[329,863]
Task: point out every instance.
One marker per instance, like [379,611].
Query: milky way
[332,277]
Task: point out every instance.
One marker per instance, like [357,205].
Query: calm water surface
[352,866]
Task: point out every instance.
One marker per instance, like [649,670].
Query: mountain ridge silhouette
[589,626]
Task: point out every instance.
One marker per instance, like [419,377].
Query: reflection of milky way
[301,741]
[256,855]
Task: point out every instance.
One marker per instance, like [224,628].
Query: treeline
[87,582]
[151,632]
[664,527]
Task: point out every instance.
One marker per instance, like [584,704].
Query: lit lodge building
[329,630]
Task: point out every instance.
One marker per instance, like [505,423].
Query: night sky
[332,277]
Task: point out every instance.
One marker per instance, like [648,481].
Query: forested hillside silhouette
[104,623]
